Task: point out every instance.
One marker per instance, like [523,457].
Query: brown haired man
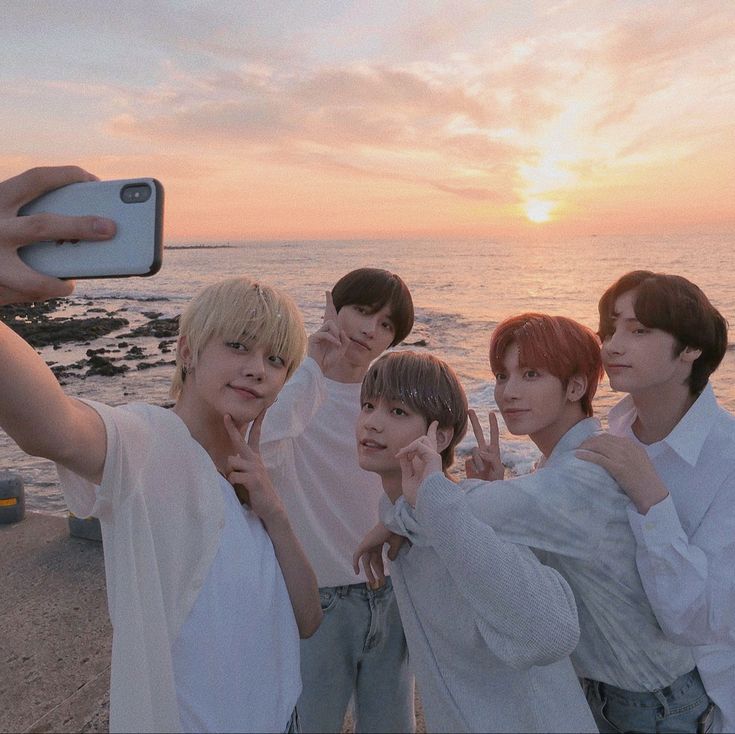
[671,447]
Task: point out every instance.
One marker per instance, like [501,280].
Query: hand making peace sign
[418,460]
[327,344]
[247,473]
[485,462]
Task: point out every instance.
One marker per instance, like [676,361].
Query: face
[637,358]
[531,400]
[369,333]
[383,429]
[239,378]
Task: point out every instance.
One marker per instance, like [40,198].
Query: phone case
[135,250]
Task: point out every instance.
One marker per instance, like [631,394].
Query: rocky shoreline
[47,324]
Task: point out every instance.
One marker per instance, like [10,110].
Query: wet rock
[417,343]
[160,363]
[135,352]
[104,366]
[159,328]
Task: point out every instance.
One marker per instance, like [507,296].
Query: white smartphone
[136,206]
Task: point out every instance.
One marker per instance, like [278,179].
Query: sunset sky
[382,118]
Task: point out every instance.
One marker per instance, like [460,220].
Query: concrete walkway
[55,634]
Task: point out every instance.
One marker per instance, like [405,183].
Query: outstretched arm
[34,411]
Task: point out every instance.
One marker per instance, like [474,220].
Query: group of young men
[594,593]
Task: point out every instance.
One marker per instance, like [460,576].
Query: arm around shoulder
[524,610]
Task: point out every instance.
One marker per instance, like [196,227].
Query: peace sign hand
[327,345]
[247,473]
[418,460]
[485,462]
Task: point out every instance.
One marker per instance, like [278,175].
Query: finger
[330,312]
[376,561]
[477,429]
[46,227]
[406,466]
[366,567]
[234,433]
[593,458]
[494,445]
[255,429]
[26,186]
[394,545]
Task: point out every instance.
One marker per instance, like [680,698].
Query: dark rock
[135,352]
[160,328]
[417,343]
[152,314]
[104,366]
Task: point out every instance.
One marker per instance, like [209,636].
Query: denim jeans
[359,650]
[675,708]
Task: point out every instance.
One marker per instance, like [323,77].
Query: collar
[574,437]
[688,435]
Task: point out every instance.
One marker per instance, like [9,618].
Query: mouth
[513,412]
[360,343]
[616,368]
[246,392]
[367,444]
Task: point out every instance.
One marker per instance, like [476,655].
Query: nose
[512,388]
[371,421]
[613,344]
[254,366]
[369,324]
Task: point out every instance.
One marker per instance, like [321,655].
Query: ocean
[461,290]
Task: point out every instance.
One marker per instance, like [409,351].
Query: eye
[399,411]
[531,374]
[500,377]
[360,309]
[237,346]
[367,405]
[276,360]
[640,330]
[388,326]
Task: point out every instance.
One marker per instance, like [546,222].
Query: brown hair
[376,288]
[426,385]
[677,306]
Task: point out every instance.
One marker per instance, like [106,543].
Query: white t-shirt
[234,657]
[163,515]
[308,444]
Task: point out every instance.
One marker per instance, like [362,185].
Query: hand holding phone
[135,205]
[19,283]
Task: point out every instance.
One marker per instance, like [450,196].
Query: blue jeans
[359,649]
[675,708]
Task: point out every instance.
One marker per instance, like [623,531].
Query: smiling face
[384,427]
[532,401]
[369,332]
[237,378]
[639,359]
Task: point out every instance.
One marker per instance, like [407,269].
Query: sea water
[461,290]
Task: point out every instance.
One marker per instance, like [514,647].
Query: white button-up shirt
[686,543]
[574,514]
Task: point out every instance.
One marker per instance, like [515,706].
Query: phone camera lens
[135,193]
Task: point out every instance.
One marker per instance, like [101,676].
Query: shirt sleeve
[525,611]
[296,405]
[689,581]
[563,510]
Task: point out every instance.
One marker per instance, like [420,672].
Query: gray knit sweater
[489,628]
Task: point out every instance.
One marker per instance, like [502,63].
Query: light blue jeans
[359,650]
[676,708]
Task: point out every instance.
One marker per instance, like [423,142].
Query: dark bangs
[376,288]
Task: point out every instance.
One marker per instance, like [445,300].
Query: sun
[539,211]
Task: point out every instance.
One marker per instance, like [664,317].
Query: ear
[183,350]
[689,355]
[576,388]
[444,437]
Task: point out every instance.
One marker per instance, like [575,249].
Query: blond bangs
[239,309]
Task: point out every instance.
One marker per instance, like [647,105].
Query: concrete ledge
[56,634]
